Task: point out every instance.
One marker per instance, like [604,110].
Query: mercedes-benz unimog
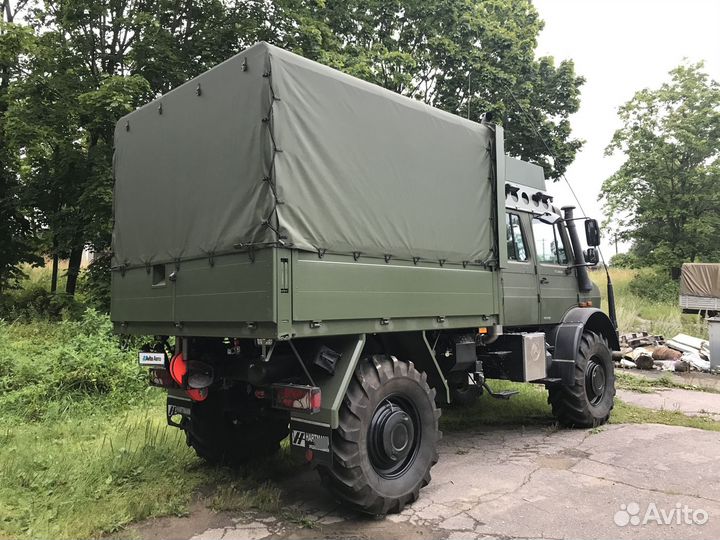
[321,259]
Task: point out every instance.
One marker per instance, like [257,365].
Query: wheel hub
[391,439]
[595,380]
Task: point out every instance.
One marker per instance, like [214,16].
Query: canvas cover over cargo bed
[271,148]
[700,279]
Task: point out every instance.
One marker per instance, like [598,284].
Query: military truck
[322,259]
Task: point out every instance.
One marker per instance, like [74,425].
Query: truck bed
[273,196]
[283,293]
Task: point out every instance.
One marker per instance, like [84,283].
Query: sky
[620,47]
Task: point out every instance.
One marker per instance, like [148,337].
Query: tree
[94,62]
[463,56]
[16,243]
[666,195]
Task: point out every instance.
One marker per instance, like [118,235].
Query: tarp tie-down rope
[270,178]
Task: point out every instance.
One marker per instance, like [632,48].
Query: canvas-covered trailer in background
[700,288]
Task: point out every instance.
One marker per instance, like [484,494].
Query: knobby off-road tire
[220,439]
[389,410]
[589,401]
[462,392]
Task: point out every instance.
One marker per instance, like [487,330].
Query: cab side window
[549,246]
[516,249]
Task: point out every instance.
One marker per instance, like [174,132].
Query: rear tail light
[296,397]
[194,382]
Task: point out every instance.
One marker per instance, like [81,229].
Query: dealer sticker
[319,443]
[151,358]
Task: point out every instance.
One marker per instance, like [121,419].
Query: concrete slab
[674,399]
[621,481]
[708,381]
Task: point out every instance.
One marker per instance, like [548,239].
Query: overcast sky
[620,46]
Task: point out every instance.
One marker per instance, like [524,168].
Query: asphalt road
[621,481]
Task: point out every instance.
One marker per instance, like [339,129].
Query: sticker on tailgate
[151,358]
[319,443]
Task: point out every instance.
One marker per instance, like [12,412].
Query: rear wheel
[223,432]
[387,439]
[589,401]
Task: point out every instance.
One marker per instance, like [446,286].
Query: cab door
[519,282]
[558,287]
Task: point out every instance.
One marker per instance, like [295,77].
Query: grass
[529,407]
[94,474]
[84,447]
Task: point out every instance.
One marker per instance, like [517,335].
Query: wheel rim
[595,380]
[393,437]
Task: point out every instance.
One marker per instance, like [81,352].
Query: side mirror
[592,232]
[591,256]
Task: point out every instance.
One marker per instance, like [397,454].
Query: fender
[565,339]
[333,387]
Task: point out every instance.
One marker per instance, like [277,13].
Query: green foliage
[37,303]
[655,285]
[432,50]
[641,314]
[16,241]
[624,260]
[95,282]
[77,66]
[666,196]
[47,368]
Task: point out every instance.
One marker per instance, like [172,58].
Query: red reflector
[197,394]
[178,371]
[296,397]
[260,394]
[178,368]
[309,455]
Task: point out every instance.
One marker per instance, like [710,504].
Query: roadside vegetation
[647,301]
[84,448]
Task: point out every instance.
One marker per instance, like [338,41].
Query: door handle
[544,281]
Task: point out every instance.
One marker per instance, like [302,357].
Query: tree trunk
[73,270]
[54,278]
[55,261]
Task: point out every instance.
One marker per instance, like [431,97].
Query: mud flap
[311,441]
[177,406]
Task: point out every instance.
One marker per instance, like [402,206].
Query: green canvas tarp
[270,147]
[700,279]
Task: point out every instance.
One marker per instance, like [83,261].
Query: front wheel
[387,439]
[589,401]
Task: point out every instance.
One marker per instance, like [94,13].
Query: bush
[624,260]
[37,303]
[46,367]
[655,285]
[95,282]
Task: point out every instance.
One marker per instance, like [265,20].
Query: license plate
[151,358]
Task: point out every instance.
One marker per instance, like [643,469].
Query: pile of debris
[681,353]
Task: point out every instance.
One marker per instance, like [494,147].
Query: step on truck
[323,260]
